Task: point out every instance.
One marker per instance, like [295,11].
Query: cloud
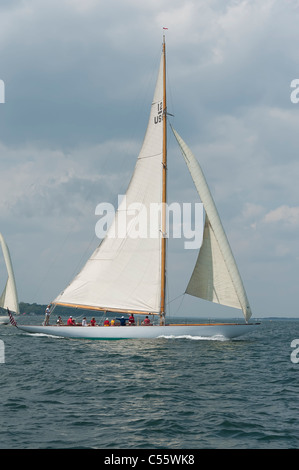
[285,214]
[79,77]
[39,181]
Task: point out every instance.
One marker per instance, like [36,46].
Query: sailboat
[127,274]
[9,297]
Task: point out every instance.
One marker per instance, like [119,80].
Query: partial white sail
[215,277]
[124,273]
[9,297]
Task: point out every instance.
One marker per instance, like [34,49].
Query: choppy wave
[167,394]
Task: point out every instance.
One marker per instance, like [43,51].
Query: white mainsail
[124,272]
[215,276]
[9,297]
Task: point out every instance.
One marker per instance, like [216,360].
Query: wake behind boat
[127,274]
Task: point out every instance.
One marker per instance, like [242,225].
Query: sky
[79,77]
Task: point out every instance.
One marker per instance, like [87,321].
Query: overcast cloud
[79,77]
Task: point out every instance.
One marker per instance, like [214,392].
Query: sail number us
[159,116]
[2,92]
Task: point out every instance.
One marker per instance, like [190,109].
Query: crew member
[146,321]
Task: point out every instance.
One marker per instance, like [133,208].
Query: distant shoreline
[38,309]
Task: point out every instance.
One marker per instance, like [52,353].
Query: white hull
[4,320]
[217,330]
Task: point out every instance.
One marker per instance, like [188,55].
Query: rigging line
[149,156]
[81,260]
[181,295]
[138,107]
[170,101]
[50,266]
[59,251]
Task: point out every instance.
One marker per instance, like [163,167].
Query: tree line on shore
[38,309]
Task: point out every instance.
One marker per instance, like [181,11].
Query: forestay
[124,272]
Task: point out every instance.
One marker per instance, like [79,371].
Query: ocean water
[156,394]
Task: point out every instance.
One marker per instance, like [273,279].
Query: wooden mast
[164,170]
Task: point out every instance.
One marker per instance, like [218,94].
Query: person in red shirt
[93,321]
[71,321]
[106,322]
[146,321]
[131,320]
